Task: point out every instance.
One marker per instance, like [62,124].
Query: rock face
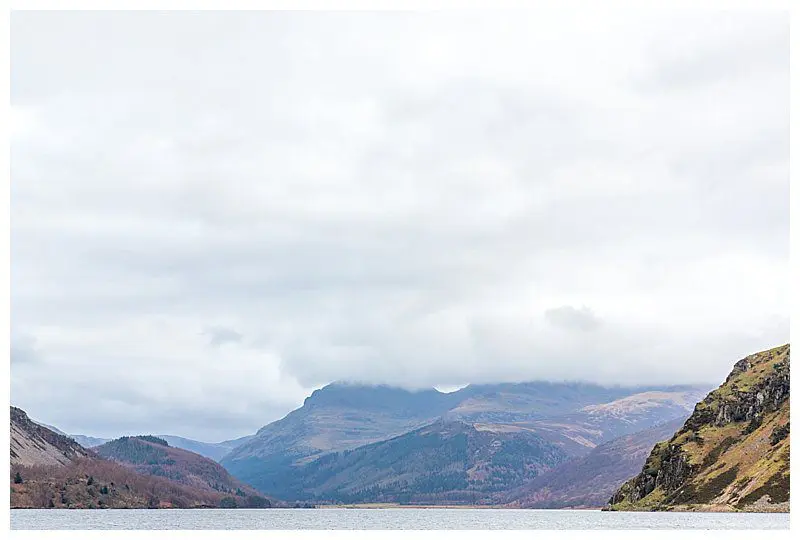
[33,444]
[733,451]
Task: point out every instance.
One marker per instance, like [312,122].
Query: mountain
[33,444]
[83,440]
[514,402]
[88,441]
[215,451]
[580,431]
[337,417]
[50,470]
[51,428]
[731,454]
[576,417]
[589,481]
[153,456]
[444,462]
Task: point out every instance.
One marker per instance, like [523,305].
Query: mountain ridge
[344,417]
[448,461]
[153,456]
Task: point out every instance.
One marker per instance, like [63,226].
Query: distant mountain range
[536,444]
[87,441]
[352,443]
[215,451]
[294,458]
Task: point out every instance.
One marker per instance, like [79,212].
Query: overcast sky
[214,214]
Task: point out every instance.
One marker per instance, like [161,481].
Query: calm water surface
[391,518]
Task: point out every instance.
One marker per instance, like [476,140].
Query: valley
[521,445]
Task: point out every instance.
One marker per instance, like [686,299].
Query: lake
[390,518]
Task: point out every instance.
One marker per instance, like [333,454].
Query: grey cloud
[122,398]
[411,213]
[702,55]
[23,351]
[219,335]
[571,318]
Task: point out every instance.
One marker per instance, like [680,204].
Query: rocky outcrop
[668,471]
[752,405]
[33,444]
[733,447]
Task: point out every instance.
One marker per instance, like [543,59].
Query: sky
[213,214]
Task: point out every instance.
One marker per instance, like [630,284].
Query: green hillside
[731,454]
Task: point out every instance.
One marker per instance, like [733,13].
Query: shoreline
[387,506]
[384,506]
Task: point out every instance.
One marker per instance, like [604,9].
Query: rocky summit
[731,454]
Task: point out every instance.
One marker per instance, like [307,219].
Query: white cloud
[396,198]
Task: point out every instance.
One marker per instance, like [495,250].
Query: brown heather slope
[153,456]
[588,481]
[731,454]
[49,470]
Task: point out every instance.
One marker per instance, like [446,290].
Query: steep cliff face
[33,444]
[733,451]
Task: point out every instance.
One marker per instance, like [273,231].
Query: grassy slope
[739,465]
